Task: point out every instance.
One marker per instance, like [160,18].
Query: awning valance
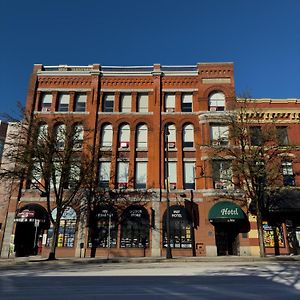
[226,211]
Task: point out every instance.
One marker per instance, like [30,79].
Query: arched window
[60,136]
[180,228]
[67,228]
[124,136]
[107,227]
[171,135]
[188,136]
[142,136]
[78,136]
[42,133]
[106,135]
[135,227]
[125,105]
[216,101]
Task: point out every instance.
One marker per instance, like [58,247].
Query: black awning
[287,200]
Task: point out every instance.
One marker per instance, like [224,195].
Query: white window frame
[188,136]
[63,102]
[80,102]
[141,174]
[187,101]
[219,134]
[125,103]
[217,101]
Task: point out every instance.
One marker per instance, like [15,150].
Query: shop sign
[26,213]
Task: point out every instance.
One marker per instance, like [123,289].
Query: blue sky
[261,37]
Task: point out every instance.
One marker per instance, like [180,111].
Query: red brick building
[130,109]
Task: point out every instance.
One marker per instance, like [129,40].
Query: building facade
[152,129]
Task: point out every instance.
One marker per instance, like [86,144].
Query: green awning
[226,211]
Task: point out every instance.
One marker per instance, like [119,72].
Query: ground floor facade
[198,227]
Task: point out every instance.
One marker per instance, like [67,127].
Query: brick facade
[156,83]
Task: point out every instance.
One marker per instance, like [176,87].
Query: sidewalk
[35,260]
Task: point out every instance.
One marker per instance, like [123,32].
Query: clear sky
[261,37]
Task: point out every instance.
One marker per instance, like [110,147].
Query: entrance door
[24,239]
[226,239]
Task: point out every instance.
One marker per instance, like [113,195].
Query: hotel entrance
[229,220]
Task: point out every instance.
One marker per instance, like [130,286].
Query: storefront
[229,220]
[282,224]
[31,221]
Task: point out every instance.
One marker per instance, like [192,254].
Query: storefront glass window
[273,236]
[135,228]
[67,228]
[180,228]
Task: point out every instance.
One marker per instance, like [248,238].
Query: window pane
[63,102]
[217,101]
[108,102]
[125,103]
[122,175]
[142,137]
[142,103]
[255,136]
[80,102]
[189,169]
[282,135]
[107,135]
[172,172]
[104,173]
[141,175]
[170,102]
[124,136]
[187,103]
[188,136]
[46,102]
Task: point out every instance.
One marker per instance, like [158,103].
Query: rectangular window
[122,174]
[282,135]
[125,103]
[288,173]
[108,102]
[255,136]
[219,135]
[222,174]
[142,103]
[169,102]
[189,175]
[104,174]
[141,175]
[46,102]
[187,102]
[172,174]
[80,102]
[63,102]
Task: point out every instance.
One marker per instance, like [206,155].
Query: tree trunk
[54,241]
[260,231]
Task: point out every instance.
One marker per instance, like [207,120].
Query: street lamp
[167,183]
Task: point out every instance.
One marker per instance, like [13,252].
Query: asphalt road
[158,281]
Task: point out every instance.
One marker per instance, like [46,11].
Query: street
[165,280]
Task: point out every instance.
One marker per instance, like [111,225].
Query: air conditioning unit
[213,108]
[170,109]
[122,185]
[124,144]
[46,109]
[171,145]
[219,185]
[77,145]
[172,186]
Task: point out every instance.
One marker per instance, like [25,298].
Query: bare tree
[52,160]
[251,151]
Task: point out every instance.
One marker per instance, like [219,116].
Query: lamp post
[167,183]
